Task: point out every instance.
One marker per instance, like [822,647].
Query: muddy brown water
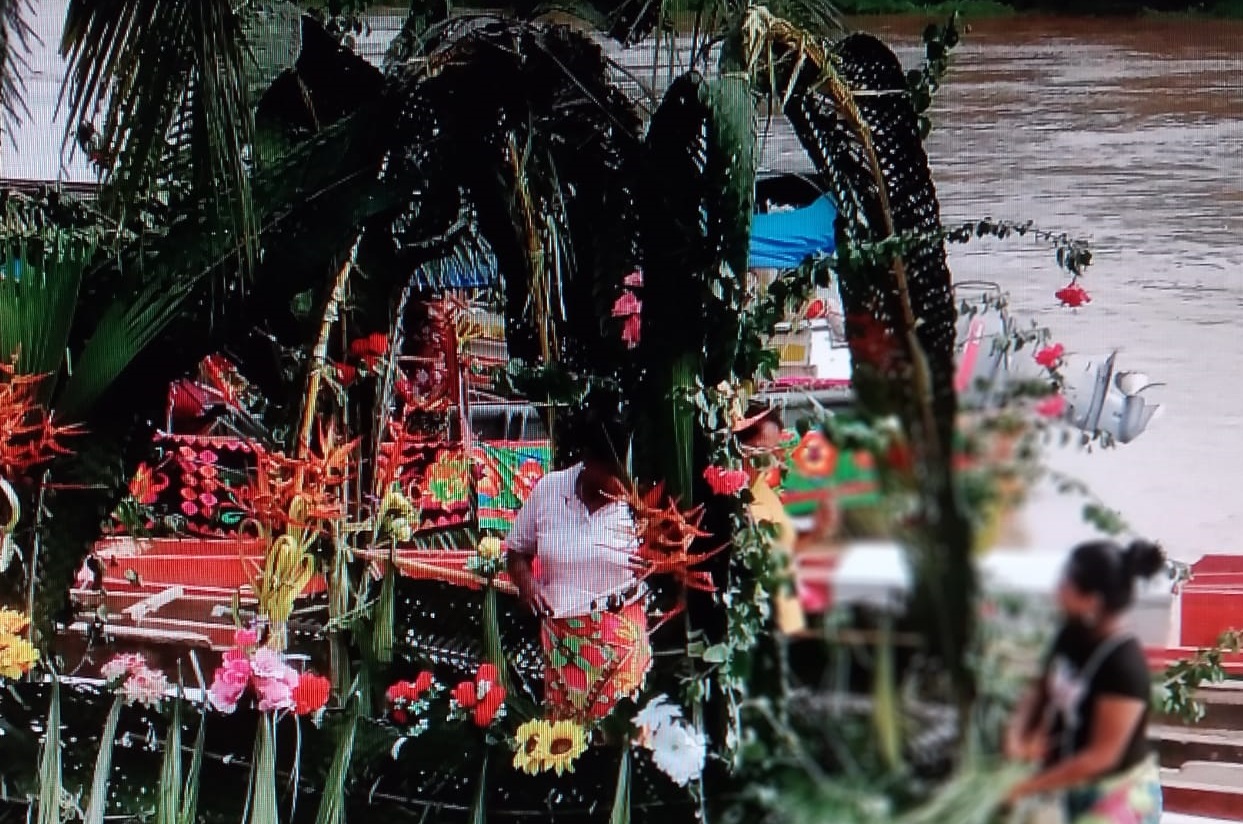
[1128,132]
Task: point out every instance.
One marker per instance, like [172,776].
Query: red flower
[870,341]
[1053,406]
[311,693]
[627,305]
[487,672]
[1050,356]
[724,481]
[359,349]
[1073,295]
[465,694]
[346,374]
[377,344]
[632,331]
[899,458]
[423,682]
[400,716]
[486,710]
[404,691]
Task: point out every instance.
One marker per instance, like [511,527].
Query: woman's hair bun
[1143,559]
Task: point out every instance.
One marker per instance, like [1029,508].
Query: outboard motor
[1102,399]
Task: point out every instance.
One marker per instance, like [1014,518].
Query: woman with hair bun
[1086,720]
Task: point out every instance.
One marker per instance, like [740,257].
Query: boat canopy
[784,239]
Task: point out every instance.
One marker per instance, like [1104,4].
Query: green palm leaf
[16,37]
[171,79]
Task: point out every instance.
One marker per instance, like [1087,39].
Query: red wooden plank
[1221,804]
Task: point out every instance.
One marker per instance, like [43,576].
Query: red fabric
[593,662]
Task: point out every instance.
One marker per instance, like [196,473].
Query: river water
[1129,133]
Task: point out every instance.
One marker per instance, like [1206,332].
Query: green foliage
[1182,680]
[98,803]
[172,79]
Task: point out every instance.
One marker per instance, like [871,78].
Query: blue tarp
[783,240]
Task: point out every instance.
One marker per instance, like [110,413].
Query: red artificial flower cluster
[1050,356]
[482,697]
[724,481]
[311,693]
[403,694]
[367,350]
[1073,295]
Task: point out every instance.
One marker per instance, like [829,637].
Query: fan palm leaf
[16,38]
[171,80]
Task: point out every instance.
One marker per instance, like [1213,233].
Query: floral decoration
[814,456]
[1054,406]
[488,559]
[134,681]
[28,436]
[723,481]
[1073,295]
[543,746]
[262,672]
[410,699]
[311,693]
[483,698]
[1050,356]
[627,307]
[677,749]
[17,655]
[448,479]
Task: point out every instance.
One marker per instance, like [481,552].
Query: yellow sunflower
[532,746]
[566,742]
[16,656]
[544,746]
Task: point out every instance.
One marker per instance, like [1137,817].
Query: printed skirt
[1134,797]
[593,661]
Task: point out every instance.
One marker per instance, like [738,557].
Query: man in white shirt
[577,523]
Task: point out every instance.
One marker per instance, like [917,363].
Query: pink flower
[1053,406]
[246,637]
[208,457]
[635,279]
[122,666]
[1073,295]
[627,305]
[630,331]
[268,663]
[274,694]
[208,500]
[724,481]
[189,508]
[228,686]
[144,686]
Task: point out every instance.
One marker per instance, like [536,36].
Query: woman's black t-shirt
[1120,670]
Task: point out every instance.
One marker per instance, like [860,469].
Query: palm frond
[164,75]
[16,37]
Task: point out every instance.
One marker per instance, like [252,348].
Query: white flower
[657,714]
[679,752]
